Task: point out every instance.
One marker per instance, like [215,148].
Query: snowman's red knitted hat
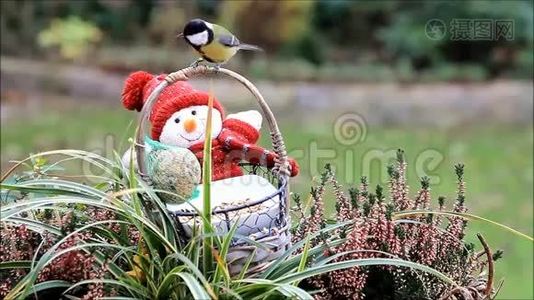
[179,95]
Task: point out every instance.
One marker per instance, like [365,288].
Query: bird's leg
[196,62]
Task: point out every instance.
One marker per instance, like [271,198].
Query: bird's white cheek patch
[198,38]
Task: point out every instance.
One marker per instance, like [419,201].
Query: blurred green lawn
[499,166]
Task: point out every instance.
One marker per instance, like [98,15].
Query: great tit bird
[213,42]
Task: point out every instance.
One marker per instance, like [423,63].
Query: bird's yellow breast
[217,52]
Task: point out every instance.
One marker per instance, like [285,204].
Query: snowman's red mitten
[239,137]
[294,167]
[240,130]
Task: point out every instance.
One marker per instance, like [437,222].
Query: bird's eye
[177,120]
[194,112]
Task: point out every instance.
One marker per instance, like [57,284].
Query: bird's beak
[180,35]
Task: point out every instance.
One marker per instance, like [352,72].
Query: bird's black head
[198,32]
[195,26]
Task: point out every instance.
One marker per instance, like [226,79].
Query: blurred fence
[431,104]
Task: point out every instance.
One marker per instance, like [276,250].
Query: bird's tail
[249,47]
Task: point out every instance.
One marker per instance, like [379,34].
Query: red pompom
[132,92]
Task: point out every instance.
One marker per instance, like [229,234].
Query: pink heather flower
[382,231]
[364,189]
[72,266]
[422,201]
[347,283]
[313,222]
[342,200]
[402,198]
[427,244]
[457,224]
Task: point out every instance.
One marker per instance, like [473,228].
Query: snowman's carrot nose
[190,125]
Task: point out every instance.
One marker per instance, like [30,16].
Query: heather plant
[397,226]
[20,244]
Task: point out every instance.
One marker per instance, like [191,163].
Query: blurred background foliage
[63,64]
[72,36]
[360,40]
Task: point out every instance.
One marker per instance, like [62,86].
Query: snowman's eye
[194,112]
[177,120]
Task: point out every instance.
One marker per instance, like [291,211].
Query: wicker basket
[275,238]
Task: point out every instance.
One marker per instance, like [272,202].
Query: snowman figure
[178,119]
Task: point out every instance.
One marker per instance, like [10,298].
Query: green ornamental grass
[51,224]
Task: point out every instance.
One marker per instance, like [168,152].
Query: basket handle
[281,167]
